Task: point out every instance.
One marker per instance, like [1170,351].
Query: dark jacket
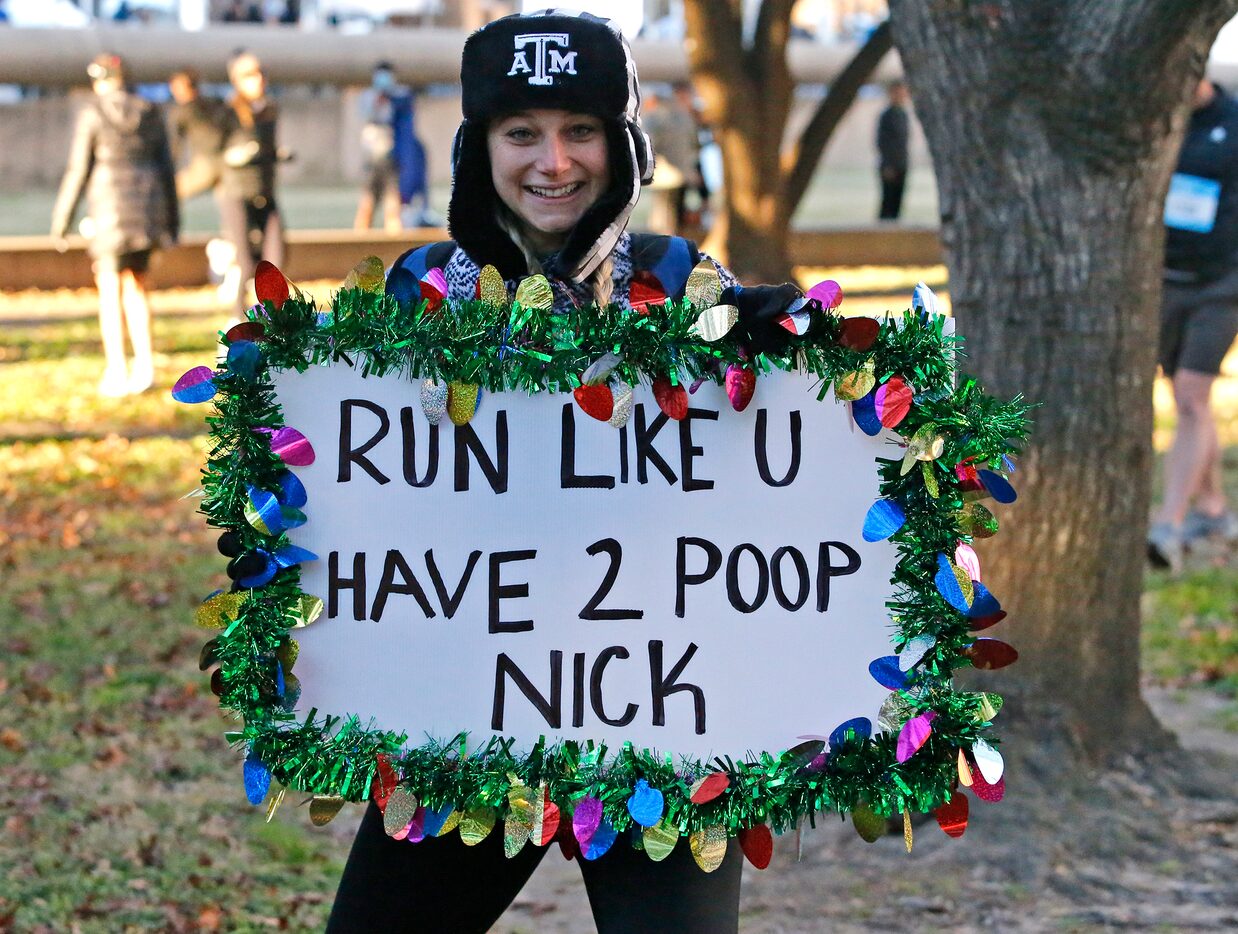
[196,133]
[120,159]
[669,259]
[250,154]
[893,135]
[1209,151]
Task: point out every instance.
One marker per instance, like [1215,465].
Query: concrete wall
[34,263]
[324,133]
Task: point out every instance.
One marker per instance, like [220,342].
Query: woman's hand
[759,307]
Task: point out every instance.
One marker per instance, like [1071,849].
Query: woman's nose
[553,158]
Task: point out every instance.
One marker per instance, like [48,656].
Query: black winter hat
[552,59]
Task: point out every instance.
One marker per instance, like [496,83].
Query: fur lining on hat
[472,215]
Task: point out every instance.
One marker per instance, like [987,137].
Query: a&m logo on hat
[548,60]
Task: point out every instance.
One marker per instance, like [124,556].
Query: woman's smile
[556,194]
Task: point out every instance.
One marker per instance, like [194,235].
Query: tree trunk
[751,229]
[746,93]
[1054,128]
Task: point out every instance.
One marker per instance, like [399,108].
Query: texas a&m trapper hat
[552,59]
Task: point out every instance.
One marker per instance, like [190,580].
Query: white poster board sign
[698,587]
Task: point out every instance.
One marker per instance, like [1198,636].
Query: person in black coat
[195,125]
[120,160]
[248,211]
[893,136]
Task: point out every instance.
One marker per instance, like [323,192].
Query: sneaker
[1165,546]
[141,376]
[114,383]
[1199,525]
[429,218]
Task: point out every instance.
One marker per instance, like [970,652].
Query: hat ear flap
[456,144]
[643,150]
[471,210]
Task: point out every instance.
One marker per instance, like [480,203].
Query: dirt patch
[1133,849]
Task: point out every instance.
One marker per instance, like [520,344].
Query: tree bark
[1054,128]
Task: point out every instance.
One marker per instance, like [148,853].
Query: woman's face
[549,167]
[248,79]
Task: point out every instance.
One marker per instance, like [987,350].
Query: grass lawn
[122,807]
[118,793]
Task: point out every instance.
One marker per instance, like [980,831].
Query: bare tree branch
[715,32]
[769,38]
[771,75]
[802,159]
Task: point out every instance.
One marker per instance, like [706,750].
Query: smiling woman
[547,166]
[574,697]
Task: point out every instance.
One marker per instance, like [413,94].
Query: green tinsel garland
[534,350]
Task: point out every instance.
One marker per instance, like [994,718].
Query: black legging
[395,887]
[892,196]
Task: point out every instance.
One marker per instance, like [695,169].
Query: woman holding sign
[548,164]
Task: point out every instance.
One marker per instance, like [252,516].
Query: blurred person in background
[685,97]
[893,140]
[195,127]
[410,156]
[395,159]
[291,14]
[120,159]
[248,209]
[281,11]
[676,146]
[1199,320]
[379,103]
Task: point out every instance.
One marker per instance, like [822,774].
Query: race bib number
[1192,203]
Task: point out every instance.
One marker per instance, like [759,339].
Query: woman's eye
[519,134]
[583,131]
